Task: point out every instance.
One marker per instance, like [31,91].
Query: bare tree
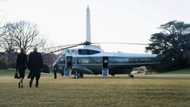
[7,41]
[21,35]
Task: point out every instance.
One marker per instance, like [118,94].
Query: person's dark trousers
[21,76]
[35,73]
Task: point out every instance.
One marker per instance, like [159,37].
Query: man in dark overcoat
[35,64]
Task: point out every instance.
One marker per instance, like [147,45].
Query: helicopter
[89,58]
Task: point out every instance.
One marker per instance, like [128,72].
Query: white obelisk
[88,26]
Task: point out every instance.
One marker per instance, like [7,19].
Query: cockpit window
[87,52]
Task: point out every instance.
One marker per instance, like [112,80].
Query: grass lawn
[181,71]
[8,72]
[96,92]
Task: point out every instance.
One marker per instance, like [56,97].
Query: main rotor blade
[123,43]
[67,47]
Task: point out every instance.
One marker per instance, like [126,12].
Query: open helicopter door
[105,67]
[68,66]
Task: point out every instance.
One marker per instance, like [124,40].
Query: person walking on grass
[21,65]
[35,64]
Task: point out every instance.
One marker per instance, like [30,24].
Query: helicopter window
[87,52]
[86,60]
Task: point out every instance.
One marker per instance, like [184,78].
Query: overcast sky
[63,21]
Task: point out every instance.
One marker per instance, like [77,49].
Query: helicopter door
[68,65]
[105,66]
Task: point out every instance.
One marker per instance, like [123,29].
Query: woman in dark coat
[21,65]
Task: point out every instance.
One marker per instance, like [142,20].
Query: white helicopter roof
[102,53]
[92,47]
[109,54]
[119,54]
